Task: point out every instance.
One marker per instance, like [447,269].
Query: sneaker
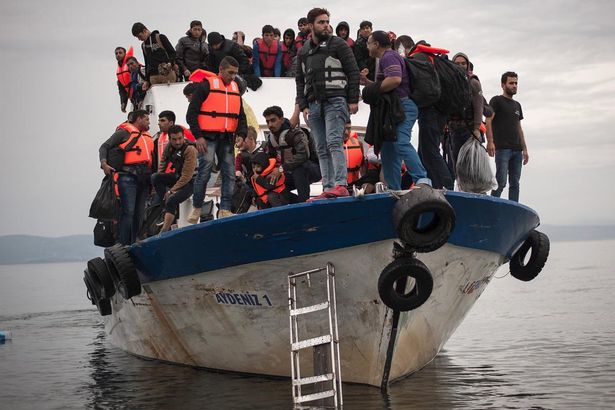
[337,191]
[223,213]
[194,216]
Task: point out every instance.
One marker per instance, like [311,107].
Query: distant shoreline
[31,249]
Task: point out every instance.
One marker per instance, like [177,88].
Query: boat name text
[243,299]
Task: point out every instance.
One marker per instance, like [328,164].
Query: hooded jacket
[474,117]
[345,25]
[154,54]
[192,53]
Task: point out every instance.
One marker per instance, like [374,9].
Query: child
[269,193]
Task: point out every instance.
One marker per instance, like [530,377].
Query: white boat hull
[237,319]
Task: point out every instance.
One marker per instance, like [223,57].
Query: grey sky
[59,100]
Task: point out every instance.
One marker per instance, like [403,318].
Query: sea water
[545,344]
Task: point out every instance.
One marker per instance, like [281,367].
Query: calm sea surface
[546,344]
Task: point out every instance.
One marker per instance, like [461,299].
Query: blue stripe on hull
[483,222]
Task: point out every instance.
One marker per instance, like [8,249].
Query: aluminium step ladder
[327,385]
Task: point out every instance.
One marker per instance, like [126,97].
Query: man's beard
[322,37]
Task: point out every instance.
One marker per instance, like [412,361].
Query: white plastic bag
[474,173]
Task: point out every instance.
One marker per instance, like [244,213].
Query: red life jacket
[354,157]
[267,55]
[163,140]
[123,73]
[220,110]
[261,191]
[138,147]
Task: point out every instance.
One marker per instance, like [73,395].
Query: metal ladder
[325,348]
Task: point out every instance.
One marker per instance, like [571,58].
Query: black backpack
[455,97]
[425,86]
[242,198]
[104,233]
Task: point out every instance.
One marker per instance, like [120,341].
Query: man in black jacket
[366,63]
[328,89]
[159,56]
[222,47]
[291,148]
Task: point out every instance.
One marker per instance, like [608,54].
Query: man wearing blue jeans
[215,116]
[128,154]
[505,139]
[394,76]
[328,90]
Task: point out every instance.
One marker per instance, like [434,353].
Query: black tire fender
[94,289]
[539,245]
[411,211]
[123,271]
[98,268]
[390,290]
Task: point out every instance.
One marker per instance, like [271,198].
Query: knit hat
[215,38]
[261,159]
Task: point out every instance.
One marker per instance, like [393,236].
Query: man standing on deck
[393,78]
[128,152]
[123,75]
[505,137]
[328,90]
[215,116]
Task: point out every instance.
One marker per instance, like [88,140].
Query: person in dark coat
[192,51]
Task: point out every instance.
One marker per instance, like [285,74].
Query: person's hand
[167,195]
[294,120]
[145,86]
[363,80]
[186,74]
[490,148]
[274,175]
[107,169]
[526,157]
[201,145]
[123,107]
[353,108]
[239,175]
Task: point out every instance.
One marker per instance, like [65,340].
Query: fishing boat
[409,266]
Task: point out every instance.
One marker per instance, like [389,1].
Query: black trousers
[162,182]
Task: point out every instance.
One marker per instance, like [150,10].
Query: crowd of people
[328,69]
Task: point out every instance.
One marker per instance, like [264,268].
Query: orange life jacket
[267,55]
[163,140]
[422,48]
[138,147]
[354,157]
[261,191]
[220,110]
[123,73]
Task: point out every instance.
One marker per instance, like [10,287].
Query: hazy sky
[59,100]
